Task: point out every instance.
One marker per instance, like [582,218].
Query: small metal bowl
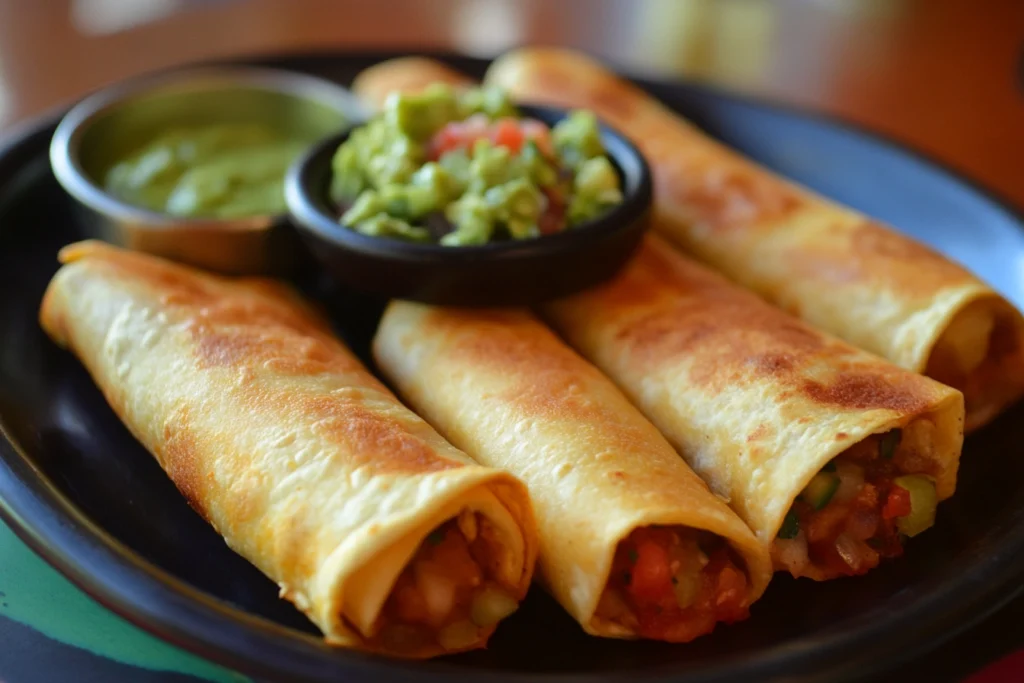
[515,272]
[111,124]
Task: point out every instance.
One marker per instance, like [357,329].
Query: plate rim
[174,611]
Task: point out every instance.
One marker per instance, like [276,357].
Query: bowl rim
[64,145]
[308,215]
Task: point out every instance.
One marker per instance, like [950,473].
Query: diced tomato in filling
[436,588]
[897,504]
[505,132]
[657,568]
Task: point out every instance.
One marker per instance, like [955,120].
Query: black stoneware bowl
[501,273]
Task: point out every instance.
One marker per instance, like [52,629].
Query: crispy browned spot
[873,253]
[547,380]
[762,431]
[258,327]
[203,298]
[726,340]
[368,438]
[668,312]
[240,323]
[181,460]
[722,196]
[160,275]
[654,274]
[269,343]
[840,436]
[772,363]
[863,391]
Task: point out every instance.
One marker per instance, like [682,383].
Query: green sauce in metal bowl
[213,171]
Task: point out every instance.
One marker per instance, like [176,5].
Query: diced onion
[612,607]
[792,554]
[856,554]
[491,605]
[458,636]
[851,480]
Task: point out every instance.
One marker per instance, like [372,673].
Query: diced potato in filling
[674,584]
[448,592]
[861,506]
[979,355]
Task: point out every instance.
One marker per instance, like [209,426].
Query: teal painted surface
[34,594]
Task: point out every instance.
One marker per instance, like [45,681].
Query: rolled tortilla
[606,485]
[404,74]
[760,404]
[303,461]
[612,498]
[833,267]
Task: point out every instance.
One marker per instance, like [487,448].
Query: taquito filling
[977,354]
[451,591]
[861,507]
[674,584]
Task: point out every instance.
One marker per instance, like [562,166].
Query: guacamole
[465,168]
[218,171]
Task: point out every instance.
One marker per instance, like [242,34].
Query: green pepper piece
[819,491]
[790,525]
[923,503]
[890,440]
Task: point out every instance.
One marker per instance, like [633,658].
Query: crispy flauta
[303,461]
[835,268]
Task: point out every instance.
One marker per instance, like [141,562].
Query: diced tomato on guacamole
[466,168]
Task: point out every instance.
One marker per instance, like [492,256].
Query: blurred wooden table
[944,76]
[941,75]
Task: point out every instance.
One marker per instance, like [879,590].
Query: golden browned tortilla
[604,481]
[303,461]
[404,74]
[756,401]
[827,264]
[505,389]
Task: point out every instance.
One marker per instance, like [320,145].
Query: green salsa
[465,168]
[217,171]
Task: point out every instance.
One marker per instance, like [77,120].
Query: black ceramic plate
[87,497]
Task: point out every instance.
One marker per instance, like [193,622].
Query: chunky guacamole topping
[222,171]
[465,168]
